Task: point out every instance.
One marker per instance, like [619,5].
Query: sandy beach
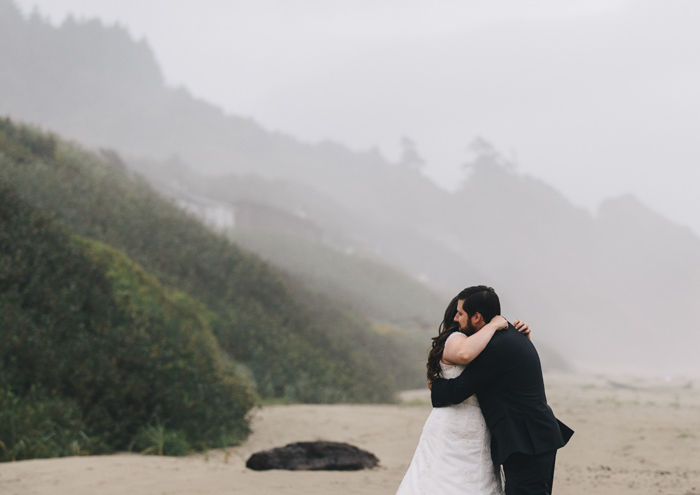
[633,436]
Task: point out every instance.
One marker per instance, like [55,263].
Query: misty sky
[597,98]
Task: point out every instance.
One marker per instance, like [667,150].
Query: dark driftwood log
[313,456]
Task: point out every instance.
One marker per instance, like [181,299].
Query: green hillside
[328,253]
[94,348]
[294,344]
[383,294]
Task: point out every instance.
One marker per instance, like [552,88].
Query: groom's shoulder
[507,333]
[508,337]
[500,339]
[502,344]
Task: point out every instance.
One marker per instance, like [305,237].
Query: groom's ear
[478,318]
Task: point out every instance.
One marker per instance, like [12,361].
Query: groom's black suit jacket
[507,376]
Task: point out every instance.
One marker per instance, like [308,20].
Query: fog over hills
[590,96]
[610,291]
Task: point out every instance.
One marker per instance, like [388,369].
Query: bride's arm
[462,349]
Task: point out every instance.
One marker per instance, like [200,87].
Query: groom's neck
[474,329]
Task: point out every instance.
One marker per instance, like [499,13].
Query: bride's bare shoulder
[454,339]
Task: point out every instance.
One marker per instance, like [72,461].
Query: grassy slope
[381,293]
[95,348]
[298,345]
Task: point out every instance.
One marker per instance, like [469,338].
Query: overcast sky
[597,98]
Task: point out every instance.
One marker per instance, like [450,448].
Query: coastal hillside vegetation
[94,348]
[128,311]
[322,243]
[382,293]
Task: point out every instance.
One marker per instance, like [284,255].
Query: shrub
[155,439]
[80,319]
[40,425]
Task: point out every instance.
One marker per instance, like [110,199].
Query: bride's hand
[522,327]
[500,322]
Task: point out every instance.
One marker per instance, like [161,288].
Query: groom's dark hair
[480,299]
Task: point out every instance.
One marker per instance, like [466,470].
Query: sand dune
[632,437]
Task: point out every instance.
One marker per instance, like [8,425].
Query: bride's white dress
[453,456]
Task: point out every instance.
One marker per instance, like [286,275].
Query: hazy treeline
[336,263]
[123,311]
[554,264]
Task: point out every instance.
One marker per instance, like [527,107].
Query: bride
[453,456]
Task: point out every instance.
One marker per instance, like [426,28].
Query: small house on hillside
[222,215]
[217,214]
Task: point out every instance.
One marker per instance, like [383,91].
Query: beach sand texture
[632,437]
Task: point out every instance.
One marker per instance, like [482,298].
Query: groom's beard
[471,329]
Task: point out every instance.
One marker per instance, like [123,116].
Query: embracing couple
[489,408]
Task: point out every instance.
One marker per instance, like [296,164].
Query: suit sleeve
[475,376]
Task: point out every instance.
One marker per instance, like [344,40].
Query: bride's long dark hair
[447,328]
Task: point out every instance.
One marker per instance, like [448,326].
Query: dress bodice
[450,371]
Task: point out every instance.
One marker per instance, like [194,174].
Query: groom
[507,376]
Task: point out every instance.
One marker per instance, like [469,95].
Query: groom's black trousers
[529,474]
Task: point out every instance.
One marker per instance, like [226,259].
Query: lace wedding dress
[453,456]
